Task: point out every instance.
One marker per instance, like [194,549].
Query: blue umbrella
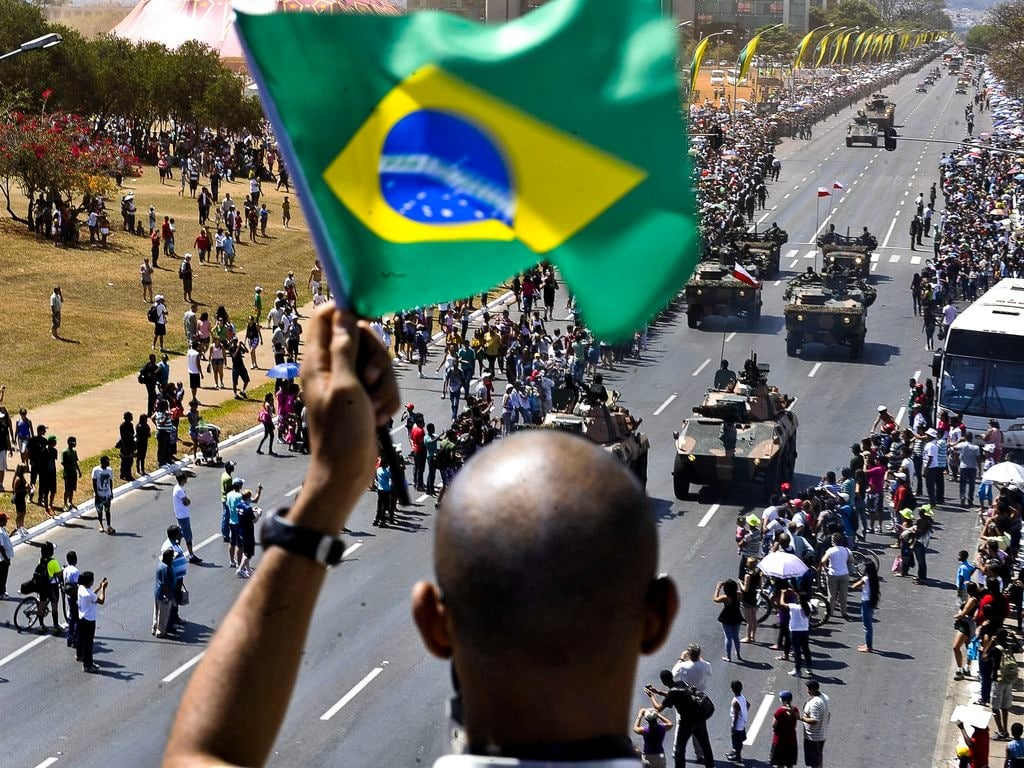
[284,371]
[1019,177]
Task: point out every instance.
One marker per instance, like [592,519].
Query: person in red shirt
[419,453]
[203,245]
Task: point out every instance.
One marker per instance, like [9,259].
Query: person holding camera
[88,600]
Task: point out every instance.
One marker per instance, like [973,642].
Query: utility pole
[499,11]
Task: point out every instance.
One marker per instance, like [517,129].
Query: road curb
[122,490]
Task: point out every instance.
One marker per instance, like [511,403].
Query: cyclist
[47,582]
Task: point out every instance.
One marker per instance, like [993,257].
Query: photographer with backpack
[693,710]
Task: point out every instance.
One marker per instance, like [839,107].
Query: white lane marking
[776,283]
[827,218]
[762,713]
[900,414]
[915,260]
[814,370]
[421,498]
[894,259]
[666,404]
[702,367]
[791,266]
[774,207]
[861,175]
[811,254]
[791,253]
[892,225]
[874,258]
[731,336]
[351,694]
[397,429]
[761,220]
[293,492]
[796,186]
[805,178]
[351,550]
[184,667]
[916,374]
[47,762]
[786,196]
[707,516]
[874,267]
[24,649]
[204,542]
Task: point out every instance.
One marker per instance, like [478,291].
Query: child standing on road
[737,721]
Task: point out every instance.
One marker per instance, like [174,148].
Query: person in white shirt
[56,305]
[6,555]
[738,711]
[949,313]
[87,614]
[193,359]
[69,583]
[181,503]
[159,321]
[103,491]
[692,669]
[836,563]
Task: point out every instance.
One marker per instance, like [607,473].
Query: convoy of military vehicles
[877,114]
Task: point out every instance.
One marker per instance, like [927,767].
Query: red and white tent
[173,22]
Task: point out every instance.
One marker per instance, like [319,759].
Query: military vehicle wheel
[691,318]
[849,141]
[792,344]
[640,469]
[771,478]
[680,485]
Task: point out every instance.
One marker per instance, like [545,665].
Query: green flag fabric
[437,157]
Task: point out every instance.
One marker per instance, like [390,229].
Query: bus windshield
[975,387]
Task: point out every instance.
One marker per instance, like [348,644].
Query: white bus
[980,370]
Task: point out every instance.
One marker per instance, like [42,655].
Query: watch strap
[276,531]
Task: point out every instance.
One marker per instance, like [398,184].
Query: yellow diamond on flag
[440,160]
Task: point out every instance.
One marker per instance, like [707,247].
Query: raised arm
[271,617]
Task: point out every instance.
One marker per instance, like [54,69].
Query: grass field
[104,319]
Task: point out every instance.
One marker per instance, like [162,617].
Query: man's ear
[660,606]
[431,617]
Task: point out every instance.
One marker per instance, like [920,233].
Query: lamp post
[39,43]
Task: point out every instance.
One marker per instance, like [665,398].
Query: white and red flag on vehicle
[822,192]
[837,185]
[741,274]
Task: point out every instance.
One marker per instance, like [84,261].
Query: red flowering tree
[54,155]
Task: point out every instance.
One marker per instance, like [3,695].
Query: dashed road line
[731,336]
[758,721]
[915,260]
[702,367]
[24,649]
[793,264]
[353,692]
[894,259]
[184,667]
[811,254]
[666,404]
[707,516]
[814,370]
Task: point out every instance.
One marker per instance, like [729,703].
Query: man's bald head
[545,551]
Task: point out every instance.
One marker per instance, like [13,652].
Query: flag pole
[817,208]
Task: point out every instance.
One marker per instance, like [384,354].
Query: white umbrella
[1004,473]
[782,565]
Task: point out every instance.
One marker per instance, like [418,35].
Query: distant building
[477,9]
[748,14]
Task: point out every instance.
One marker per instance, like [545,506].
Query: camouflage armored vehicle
[761,249]
[612,427]
[715,290]
[827,308]
[870,122]
[850,254]
[744,435]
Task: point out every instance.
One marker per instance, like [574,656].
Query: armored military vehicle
[612,427]
[761,248]
[850,254]
[714,289]
[827,308]
[870,122]
[746,434]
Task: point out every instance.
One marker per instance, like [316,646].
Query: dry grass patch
[104,320]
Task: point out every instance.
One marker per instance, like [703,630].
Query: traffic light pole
[895,136]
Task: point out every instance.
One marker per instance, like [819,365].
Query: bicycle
[818,602]
[31,610]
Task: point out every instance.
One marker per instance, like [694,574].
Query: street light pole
[39,43]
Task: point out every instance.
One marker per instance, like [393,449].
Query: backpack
[152,315]
[1008,671]
[702,703]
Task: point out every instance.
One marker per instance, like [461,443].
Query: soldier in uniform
[725,379]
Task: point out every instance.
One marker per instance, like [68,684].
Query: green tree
[854,13]
[1007,51]
[981,37]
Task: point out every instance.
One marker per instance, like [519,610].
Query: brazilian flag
[437,157]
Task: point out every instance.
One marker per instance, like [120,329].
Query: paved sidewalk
[94,416]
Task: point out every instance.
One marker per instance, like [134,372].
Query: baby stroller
[208,440]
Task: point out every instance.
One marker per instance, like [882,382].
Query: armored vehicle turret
[746,433]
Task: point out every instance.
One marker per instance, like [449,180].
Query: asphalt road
[369,695]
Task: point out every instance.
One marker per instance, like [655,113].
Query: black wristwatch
[278,532]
